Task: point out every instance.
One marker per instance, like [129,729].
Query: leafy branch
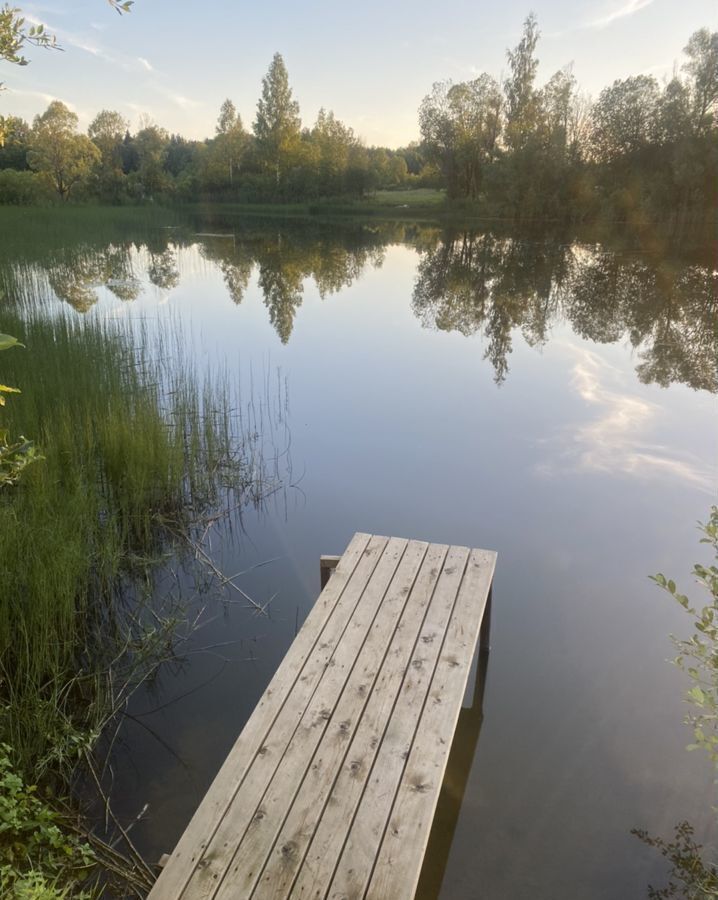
[15,35]
[120,6]
[698,654]
[18,454]
[693,876]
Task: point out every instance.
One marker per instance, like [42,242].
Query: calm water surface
[551,399]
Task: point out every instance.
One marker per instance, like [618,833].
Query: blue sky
[370,62]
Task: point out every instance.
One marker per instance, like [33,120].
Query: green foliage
[106,131]
[698,654]
[624,118]
[15,455]
[521,97]
[690,877]
[277,124]
[15,35]
[23,189]
[131,457]
[57,152]
[702,67]
[40,857]
[641,153]
[460,125]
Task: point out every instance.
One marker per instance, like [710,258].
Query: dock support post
[482,651]
[327,564]
[485,634]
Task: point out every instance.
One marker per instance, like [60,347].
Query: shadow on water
[466,739]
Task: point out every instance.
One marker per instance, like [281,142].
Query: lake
[549,396]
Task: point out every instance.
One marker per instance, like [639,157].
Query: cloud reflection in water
[615,439]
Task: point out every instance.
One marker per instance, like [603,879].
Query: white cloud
[628,9]
[38,95]
[178,99]
[67,38]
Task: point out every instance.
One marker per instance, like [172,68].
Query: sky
[370,62]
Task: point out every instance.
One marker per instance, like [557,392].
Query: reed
[137,448]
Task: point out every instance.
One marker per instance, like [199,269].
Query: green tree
[58,152]
[333,142]
[231,139]
[14,139]
[624,117]
[673,113]
[151,145]
[460,125]
[106,131]
[556,104]
[277,127]
[702,67]
[521,96]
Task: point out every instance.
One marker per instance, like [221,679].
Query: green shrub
[23,189]
[40,858]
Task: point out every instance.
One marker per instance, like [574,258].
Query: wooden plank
[398,864]
[356,863]
[324,797]
[307,711]
[218,799]
[337,814]
[331,716]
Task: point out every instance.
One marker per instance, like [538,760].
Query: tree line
[278,160]
[639,150]
[510,147]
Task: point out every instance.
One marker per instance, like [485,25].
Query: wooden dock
[331,788]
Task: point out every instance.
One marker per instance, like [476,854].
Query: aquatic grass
[136,448]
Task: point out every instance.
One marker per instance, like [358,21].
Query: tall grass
[136,448]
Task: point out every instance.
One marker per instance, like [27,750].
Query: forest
[641,151]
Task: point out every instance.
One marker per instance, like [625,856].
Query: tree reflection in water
[473,282]
[481,283]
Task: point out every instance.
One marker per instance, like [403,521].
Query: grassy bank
[418,205]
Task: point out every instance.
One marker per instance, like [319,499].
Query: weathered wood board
[331,788]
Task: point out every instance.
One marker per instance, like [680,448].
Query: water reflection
[482,283]
[475,283]
[162,269]
[75,279]
[614,439]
